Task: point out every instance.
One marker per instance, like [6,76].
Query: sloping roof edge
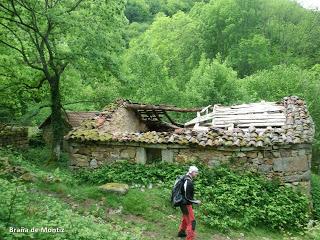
[68,118]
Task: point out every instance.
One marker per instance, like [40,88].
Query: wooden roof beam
[160,107]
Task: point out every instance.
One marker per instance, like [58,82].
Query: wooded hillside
[82,55]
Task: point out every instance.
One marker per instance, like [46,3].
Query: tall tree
[44,38]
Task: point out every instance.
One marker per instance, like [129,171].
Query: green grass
[141,212]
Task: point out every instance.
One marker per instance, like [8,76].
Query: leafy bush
[230,199]
[246,200]
[315,191]
[132,173]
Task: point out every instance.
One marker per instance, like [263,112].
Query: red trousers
[188,222]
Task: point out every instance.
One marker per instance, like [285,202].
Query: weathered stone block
[131,152]
[84,150]
[167,155]
[93,163]
[112,154]
[181,158]
[260,155]
[115,187]
[240,154]
[295,153]
[124,154]
[28,177]
[290,164]
[276,154]
[267,154]
[80,160]
[257,161]
[141,156]
[252,154]
[292,178]
[306,176]
[264,168]
[285,153]
[268,161]
[214,163]
[98,155]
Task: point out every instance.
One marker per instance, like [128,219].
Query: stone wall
[290,164]
[124,121]
[13,136]
[93,156]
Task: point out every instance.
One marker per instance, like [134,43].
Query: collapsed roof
[155,113]
[259,125]
[262,114]
[73,119]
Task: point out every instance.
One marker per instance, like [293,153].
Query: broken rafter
[171,120]
[159,107]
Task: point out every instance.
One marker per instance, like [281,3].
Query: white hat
[193,169]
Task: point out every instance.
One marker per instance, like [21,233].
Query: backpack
[177,199]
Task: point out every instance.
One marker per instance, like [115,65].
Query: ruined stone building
[271,138]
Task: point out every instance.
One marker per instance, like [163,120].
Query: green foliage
[315,192]
[137,11]
[251,55]
[230,199]
[284,80]
[247,200]
[229,28]
[20,209]
[132,173]
[34,161]
[75,42]
[212,82]
[159,62]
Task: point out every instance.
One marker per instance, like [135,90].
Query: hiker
[188,223]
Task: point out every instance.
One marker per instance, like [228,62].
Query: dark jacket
[188,190]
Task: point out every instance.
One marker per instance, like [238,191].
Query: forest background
[82,55]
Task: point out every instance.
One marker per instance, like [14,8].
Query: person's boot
[182,233]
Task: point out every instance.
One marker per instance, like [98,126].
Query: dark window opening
[153,155]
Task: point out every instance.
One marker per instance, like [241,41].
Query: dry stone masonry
[282,152]
[13,136]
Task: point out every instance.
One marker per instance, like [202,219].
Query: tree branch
[74,7]
[15,13]
[24,56]
[37,86]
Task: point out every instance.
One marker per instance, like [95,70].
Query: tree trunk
[56,119]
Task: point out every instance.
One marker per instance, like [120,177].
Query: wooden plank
[248,111]
[272,104]
[245,105]
[171,120]
[249,119]
[253,116]
[248,106]
[157,115]
[250,124]
[238,114]
[204,109]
